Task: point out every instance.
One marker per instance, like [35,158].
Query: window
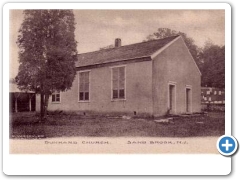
[84,86]
[56,97]
[118,83]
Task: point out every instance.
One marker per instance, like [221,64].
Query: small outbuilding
[20,100]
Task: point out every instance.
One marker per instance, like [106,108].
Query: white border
[197,6]
[115,164]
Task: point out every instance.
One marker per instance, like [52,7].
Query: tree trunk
[16,106]
[46,103]
[30,104]
[42,109]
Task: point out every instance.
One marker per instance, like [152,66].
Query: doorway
[188,100]
[172,98]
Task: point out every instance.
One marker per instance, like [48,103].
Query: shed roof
[133,51]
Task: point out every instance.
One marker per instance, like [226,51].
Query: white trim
[124,65]
[188,87]
[84,71]
[125,83]
[89,94]
[164,47]
[56,102]
[191,57]
[172,83]
[117,61]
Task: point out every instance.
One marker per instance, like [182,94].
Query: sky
[99,28]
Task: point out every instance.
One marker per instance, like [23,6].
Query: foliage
[212,58]
[47,51]
[107,47]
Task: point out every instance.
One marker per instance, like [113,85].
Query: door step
[165,121]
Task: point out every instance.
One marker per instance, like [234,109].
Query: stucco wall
[147,85]
[138,92]
[175,64]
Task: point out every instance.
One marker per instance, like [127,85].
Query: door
[171,98]
[188,100]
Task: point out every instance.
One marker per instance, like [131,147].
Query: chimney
[118,42]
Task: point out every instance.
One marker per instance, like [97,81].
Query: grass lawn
[69,125]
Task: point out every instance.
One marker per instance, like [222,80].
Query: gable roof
[123,53]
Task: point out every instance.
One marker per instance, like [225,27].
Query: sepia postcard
[119,81]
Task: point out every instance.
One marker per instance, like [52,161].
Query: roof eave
[122,61]
[164,47]
[192,57]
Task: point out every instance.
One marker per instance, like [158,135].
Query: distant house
[20,100]
[212,95]
[156,78]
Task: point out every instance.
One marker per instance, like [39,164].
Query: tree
[48,52]
[212,58]
[107,47]
[166,32]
